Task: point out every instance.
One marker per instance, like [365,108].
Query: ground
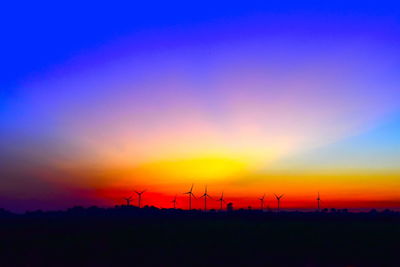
[130,237]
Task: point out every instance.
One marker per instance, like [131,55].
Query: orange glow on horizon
[357,190]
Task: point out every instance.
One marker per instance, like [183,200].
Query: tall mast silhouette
[190,193]
[221,200]
[128,200]
[278,198]
[318,202]
[205,195]
[174,201]
[262,202]
[140,197]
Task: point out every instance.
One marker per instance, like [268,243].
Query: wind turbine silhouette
[278,198]
[205,195]
[221,200]
[190,193]
[128,200]
[318,201]
[262,201]
[174,201]
[140,196]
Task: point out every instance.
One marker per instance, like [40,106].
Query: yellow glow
[199,169]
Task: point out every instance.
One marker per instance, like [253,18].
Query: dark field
[128,237]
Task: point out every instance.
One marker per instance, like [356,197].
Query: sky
[246,97]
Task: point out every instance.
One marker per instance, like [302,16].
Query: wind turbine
[139,197]
[262,202]
[174,201]
[190,193]
[278,198]
[318,201]
[205,195]
[221,200]
[128,200]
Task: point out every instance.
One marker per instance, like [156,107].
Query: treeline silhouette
[149,236]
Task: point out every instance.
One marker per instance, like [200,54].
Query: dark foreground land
[148,237]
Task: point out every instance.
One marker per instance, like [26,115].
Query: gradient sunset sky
[285,97]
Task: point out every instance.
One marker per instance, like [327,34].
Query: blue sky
[92,89]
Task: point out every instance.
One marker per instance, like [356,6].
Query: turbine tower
[205,195]
[128,200]
[221,200]
[190,193]
[318,202]
[262,202]
[139,197]
[174,201]
[278,198]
